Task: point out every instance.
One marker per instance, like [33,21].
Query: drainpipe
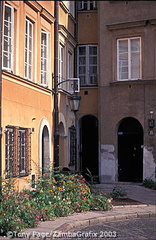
[1,35]
[55,77]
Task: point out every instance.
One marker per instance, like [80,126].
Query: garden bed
[125,202]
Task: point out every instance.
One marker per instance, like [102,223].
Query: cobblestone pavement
[129,229]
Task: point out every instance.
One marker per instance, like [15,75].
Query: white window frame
[129,59]
[87,67]
[9,40]
[28,50]
[44,58]
[86,5]
[70,65]
[61,65]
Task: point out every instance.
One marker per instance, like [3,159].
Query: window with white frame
[72,8]
[61,66]
[129,58]
[87,68]
[8,38]
[28,49]
[70,65]
[87,5]
[44,58]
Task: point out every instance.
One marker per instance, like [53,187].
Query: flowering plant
[54,196]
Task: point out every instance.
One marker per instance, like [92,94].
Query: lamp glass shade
[75,103]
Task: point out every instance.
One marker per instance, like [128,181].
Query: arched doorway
[45,150]
[130,150]
[89,145]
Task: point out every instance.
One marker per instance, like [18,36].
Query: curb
[96,220]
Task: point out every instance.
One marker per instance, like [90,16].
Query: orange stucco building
[27,95]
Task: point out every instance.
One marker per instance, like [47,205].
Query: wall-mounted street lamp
[151,124]
[74,101]
[151,121]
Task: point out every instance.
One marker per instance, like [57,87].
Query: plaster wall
[25,106]
[87,27]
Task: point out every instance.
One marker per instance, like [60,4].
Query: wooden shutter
[28,151]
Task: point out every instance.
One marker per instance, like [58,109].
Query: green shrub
[149,183]
[118,192]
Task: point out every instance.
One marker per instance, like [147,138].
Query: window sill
[16,176]
[89,86]
[136,81]
[86,11]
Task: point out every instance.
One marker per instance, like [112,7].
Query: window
[87,64]
[87,5]
[128,58]
[18,151]
[8,38]
[70,65]
[28,49]
[44,58]
[72,8]
[70,5]
[61,66]
[72,144]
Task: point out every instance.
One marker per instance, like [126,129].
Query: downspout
[55,77]
[1,36]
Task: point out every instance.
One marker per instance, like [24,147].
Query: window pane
[82,51]
[92,50]
[135,65]
[82,70]
[123,59]
[82,60]
[93,70]
[93,60]
[8,38]
[82,80]
[135,45]
[135,58]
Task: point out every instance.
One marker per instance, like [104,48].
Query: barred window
[72,144]
[18,151]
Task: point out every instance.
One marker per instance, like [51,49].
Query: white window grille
[87,64]
[8,38]
[129,58]
[44,58]
[28,49]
